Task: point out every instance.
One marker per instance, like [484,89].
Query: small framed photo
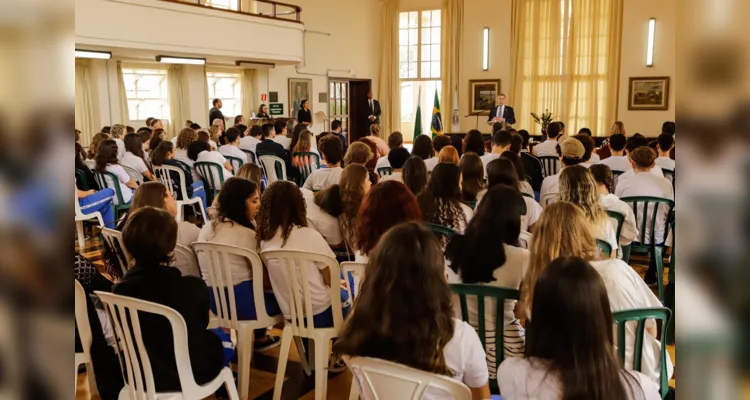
[482,95]
[649,93]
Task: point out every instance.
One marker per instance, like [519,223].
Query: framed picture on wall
[482,94]
[649,93]
[299,89]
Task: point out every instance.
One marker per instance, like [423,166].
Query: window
[419,66]
[228,88]
[146,90]
[225,4]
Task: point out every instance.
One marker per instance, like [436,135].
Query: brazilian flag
[437,120]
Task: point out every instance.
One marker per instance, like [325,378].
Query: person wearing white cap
[571,153]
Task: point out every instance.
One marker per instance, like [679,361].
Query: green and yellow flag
[437,120]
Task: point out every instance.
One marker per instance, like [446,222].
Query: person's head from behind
[569,294]
[472,174]
[577,186]
[585,131]
[516,143]
[282,207]
[476,253]
[204,137]
[133,144]
[150,236]
[268,131]
[331,149]
[153,194]
[444,183]
[239,202]
[448,154]
[669,127]
[145,139]
[618,127]
[554,129]
[642,159]
[354,184]
[196,148]
[94,145]
[422,147]
[232,136]
[395,319]
[395,140]
[517,163]
[571,151]
[336,126]
[502,171]
[497,126]
[501,141]
[186,137]
[397,157]
[525,138]
[617,143]
[194,126]
[562,127]
[358,153]
[375,130]
[106,154]
[474,142]
[304,142]
[441,142]
[415,174]
[635,142]
[117,131]
[256,132]
[605,181]
[550,241]
[149,121]
[588,146]
[163,152]
[280,127]
[156,124]
[387,204]
[664,143]
[250,171]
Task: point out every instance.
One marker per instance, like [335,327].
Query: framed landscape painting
[299,89]
[649,93]
[482,94]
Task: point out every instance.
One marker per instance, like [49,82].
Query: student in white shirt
[331,151]
[117,133]
[418,330]
[396,158]
[134,156]
[230,149]
[564,231]
[502,172]
[250,142]
[665,144]
[472,178]
[562,360]
[440,202]
[395,141]
[577,186]
[186,137]
[589,147]
[523,186]
[423,149]
[489,253]
[549,146]
[106,161]
[281,134]
[635,142]
[200,151]
[571,152]
[605,184]
[501,141]
[618,161]
[594,157]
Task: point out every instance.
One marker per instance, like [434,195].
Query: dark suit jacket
[213,114]
[508,114]
[533,168]
[188,295]
[375,110]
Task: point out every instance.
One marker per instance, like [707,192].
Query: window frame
[146,71]
[419,45]
[235,74]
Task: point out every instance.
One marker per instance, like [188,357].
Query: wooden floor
[297,385]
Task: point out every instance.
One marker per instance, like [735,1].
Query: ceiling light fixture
[101,55]
[181,60]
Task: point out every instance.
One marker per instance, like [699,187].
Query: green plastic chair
[383,171]
[212,187]
[440,230]
[81,177]
[472,204]
[644,223]
[306,170]
[640,315]
[620,219]
[251,158]
[500,295]
[605,247]
[550,165]
[100,178]
[235,162]
[669,293]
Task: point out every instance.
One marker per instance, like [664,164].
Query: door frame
[349,107]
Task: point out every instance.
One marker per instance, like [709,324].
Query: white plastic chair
[268,163]
[216,267]
[90,163]
[124,312]
[133,173]
[293,264]
[525,238]
[115,242]
[186,261]
[80,217]
[357,269]
[84,333]
[380,380]
[162,173]
[548,199]
[212,212]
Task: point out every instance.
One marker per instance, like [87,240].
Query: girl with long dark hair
[441,200]
[415,175]
[501,171]
[134,157]
[107,161]
[472,174]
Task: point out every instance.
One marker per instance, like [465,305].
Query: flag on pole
[437,121]
[418,122]
[456,126]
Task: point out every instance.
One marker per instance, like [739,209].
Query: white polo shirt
[248,143]
[217,158]
[546,148]
[233,151]
[323,178]
[486,159]
[617,163]
[382,163]
[233,234]
[430,163]
[665,162]
[646,184]
[550,186]
[122,179]
[133,161]
[629,230]
[326,224]
[284,141]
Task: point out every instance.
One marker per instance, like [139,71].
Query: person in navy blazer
[504,114]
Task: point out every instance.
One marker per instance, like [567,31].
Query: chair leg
[180,207]
[244,358]
[626,254]
[229,383]
[658,254]
[354,392]
[322,355]
[81,239]
[303,356]
[93,390]
[286,342]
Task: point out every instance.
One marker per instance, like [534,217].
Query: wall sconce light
[486,50]
[650,49]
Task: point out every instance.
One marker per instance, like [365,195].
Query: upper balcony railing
[259,8]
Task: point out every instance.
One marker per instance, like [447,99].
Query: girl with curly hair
[441,200]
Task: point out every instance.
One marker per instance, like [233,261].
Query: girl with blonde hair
[618,127]
[379,142]
[214,133]
[303,145]
[448,154]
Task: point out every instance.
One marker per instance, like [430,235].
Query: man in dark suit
[373,111]
[502,113]
[531,164]
[215,112]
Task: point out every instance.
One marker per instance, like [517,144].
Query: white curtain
[178,99]
[123,98]
[452,37]
[248,92]
[84,102]
[389,93]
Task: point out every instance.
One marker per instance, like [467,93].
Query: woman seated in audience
[254,173]
[239,201]
[565,231]
[441,200]
[605,184]
[562,360]
[106,161]
[164,154]
[88,179]
[501,171]
[200,151]
[523,186]
[303,145]
[448,154]
[360,153]
[117,133]
[374,149]
[214,133]
[415,175]
[92,201]
[184,140]
[150,237]
[477,258]
[134,156]
[577,186]
[94,145]
[472,177]
[423,149]
[474,142]
[375,138]
[412,324]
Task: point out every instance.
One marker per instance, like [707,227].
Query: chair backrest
[82,320]
[380,380]
[550,165]
[547,199]
[235,162]
[605,247]
[90,163]
[619,219]
[646,211]
[641,315]
[213,178]
[274,168]
[615,177]
[215,260]
[133,173]
[669,174]
[186,261]
[115,242]
[124,314]
[163,175]
[113,182]
[293,267]
[357,270]
[440,230]
[383,171]
[525,239]
[304,168]
[81,177]
[212,212]
[251,158]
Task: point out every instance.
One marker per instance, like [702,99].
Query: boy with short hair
[397,158]
[331,150]
[395,141]
[230,149]
[617,161]
[664,145]
[549,146]
[531,164]
[571,152]
[501,141]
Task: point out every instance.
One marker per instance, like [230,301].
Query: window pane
[413,19]
[403,70]
[426,53]
[403,20]
[146,91]
[435,52]
[426,18]
[435,35]
[413,36]
[412,53]
[413,69]
[435,69]
[403,53]
[403,37]
[425,69]
[426,35]
[436,18]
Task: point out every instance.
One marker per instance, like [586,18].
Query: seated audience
[617,161]
[281,134]
[200,151]
[440,202]
[531,164]
[94,145]
[304,145]
[184,140]
[164,154]
[523,185]
[253,173]
[397,158]
[571,153]
[413,325]
[474,143]
[472,177]
[635,142]
[215,137]
[88,180]
[117,133]
[330,148]
[549,146]
[500,144]
[92,201]
[250,142]
[664,145]
[145,139]
[231,149]
[422,148]
[360,153]
[585,131]
[415,175]
[268,146]
[337,130]
[375,138]
[503,172]
[588,147]
[107,161]
[448,154]
[442,141]
[561,359]
[625,288]
[605,183]
[150,236]
[395,141]
[133,157]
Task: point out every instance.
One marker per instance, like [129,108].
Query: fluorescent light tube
[180,60]
[102,55]
[486,50]
[650,49]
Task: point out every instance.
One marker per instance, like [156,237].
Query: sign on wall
[276,109]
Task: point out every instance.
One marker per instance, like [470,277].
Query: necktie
[371,109]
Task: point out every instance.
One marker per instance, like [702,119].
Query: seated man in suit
[502,113]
